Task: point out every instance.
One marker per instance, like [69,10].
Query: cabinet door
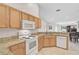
[25,16]
[4,16]
[52,41]
[18,49]
[40,43]
[37,22]
[31,18]
[22,48]
[46,41]
[14,49]
[15,18]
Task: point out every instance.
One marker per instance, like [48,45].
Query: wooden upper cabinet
[15,18]
[39,26]
[25,16]
[37,22]
[31,18]
[11,18]
[4,16]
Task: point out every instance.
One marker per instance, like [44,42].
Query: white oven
[31,42]
[32,46]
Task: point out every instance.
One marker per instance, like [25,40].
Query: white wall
[31,8]
[43,26]
[77,23]
[53,28]
[66,24]
[57,28]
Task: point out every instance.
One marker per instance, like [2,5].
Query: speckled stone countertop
[6,42]
[52,33]
[13,42]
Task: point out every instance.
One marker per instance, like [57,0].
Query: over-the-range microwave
[26,25]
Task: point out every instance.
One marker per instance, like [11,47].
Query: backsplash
[5,32]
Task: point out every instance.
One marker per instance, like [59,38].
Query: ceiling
[59,12]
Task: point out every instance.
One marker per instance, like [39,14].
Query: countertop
[10,43]
[7,42]
[4,50]
[52,33]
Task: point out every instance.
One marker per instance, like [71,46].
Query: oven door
[32,45]
[33,48]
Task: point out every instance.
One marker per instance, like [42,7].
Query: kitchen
[27,29]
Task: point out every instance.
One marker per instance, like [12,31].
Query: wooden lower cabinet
[52,41]
[40,43]
[49,41]
[18,49]
[46,41]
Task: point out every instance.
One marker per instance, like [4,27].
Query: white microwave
[26,24]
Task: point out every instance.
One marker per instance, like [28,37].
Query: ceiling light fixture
[58,10]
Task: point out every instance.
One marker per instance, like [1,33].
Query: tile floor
[57,51]
[73,50]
